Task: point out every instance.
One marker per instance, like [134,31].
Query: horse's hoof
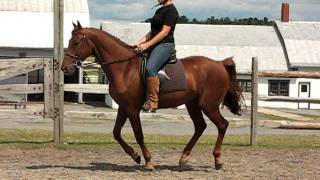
[218,166]
[183,163]
[138,159]
[148,168]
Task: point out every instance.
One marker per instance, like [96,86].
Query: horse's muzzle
[68,70]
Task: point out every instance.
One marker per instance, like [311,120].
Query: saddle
[173,58]
[172,75]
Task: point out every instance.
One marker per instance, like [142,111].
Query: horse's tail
[234,98]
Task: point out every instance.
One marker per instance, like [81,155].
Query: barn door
[304,92]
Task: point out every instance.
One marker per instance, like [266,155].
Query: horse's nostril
[64,68]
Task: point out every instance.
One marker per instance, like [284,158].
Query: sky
[140,10]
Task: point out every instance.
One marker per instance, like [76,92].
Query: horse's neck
[111,50]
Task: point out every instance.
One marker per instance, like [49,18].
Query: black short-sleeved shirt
[167,15]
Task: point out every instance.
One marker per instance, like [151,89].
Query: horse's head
[79,49]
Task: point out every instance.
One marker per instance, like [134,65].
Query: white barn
[27,30]
[27,26]
[286,46]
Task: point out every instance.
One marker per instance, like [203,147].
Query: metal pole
[58,79]
[254,101]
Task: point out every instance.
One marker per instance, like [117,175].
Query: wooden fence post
[58,76]
[254,101]
[80,95]
[48,87]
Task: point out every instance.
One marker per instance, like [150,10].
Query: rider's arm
[144,38]
[160,36]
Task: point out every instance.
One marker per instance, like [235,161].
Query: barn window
[304,88]
[245,85]
[22,54]
[279,87]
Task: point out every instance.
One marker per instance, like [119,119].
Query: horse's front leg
[120,121]
[137,129]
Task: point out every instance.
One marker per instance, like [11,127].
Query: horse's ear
[74,25]
[79,25]
[101,27]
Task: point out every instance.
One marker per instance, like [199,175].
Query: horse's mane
[113,38]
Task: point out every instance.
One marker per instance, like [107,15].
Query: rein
[79,62]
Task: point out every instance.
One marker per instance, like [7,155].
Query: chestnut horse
[209,84]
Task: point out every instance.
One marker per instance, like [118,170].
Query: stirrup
[162,74]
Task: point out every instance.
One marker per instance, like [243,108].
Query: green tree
[227,20]
[224,20]
[183,20]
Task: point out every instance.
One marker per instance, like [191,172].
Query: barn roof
[29,23]
[73,6]
[302,42]
[217,42]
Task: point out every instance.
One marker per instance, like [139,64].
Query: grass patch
[32,139]
[309,116]
[273,117]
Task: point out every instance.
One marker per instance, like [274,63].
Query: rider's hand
[143,46]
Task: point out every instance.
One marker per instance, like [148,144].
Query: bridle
[78,61]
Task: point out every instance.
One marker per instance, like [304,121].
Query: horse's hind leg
[199,126]
[222,125]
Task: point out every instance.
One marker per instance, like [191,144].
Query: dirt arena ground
[26,154]
[239,163]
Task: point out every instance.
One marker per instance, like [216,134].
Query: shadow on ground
[120,168]
[25,142]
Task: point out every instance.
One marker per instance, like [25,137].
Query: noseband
[77,60]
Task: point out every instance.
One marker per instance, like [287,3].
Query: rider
[160,42]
